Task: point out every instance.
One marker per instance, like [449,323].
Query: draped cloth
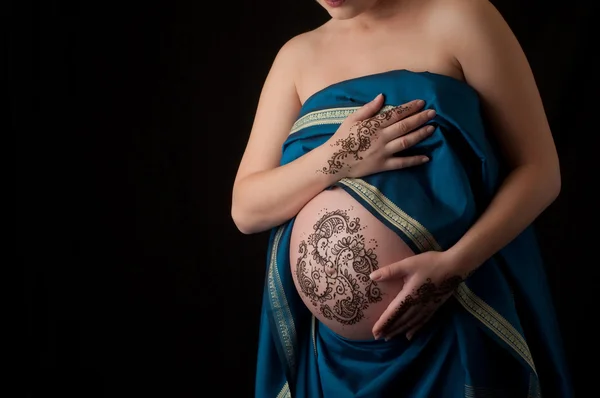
[497,336]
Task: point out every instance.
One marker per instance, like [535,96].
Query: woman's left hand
[429,278]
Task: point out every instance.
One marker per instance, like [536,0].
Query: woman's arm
[494,64]
[264,194]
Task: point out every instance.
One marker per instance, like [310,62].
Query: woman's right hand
[366,142]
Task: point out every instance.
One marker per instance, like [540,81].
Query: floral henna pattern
[361,135]
[428,293]
[333,270]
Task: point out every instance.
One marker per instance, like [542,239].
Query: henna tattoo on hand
[336,270]
[428,293]
[361,135]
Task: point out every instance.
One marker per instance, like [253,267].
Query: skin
[464,39]
[338,253]
[361,137]
[332,251]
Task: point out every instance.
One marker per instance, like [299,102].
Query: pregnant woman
[399,154]
[336,243]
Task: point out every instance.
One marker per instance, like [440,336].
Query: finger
[411,332]
[393,270]
[401,322]
[408,124]
[409,322]
[406,141]
[402,162]
[389,317]
[397,113]
[367,110]
[394,311]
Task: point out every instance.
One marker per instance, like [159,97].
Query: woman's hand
[430,278]
[365,143]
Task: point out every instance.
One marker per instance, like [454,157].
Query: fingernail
[429,129]
[379,95]
[375,276]
[424,159]
[420,102]
[430,113]
[409,336]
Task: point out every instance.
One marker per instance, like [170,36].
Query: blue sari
[475,345]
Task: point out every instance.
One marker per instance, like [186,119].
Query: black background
[131,120]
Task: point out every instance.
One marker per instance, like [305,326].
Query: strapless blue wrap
[480,343]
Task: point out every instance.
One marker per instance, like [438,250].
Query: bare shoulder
[461,23]
[494,64]
[277,108]
[292,48]
[458,14]
[295,52]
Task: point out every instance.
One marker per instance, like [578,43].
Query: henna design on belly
[428,293]
[334,267]
[361,135]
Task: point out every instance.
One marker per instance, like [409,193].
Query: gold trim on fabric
[534,387]
[327,116]
[486,392]
[285,391]
[425,241]
[493,320]
[410,227]
[279,304]
[313,333]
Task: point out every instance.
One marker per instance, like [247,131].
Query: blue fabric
[475,345]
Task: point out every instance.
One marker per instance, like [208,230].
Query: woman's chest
[336,62]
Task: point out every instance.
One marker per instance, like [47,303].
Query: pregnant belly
[335,244]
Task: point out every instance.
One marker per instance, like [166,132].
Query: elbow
[243,221]
[239,215]
[243,217]
[553,183]
[545,179]
[555,186]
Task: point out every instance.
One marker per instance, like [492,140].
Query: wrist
[461,261]
[326,167]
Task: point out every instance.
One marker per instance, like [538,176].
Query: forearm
[269,198]
[525,193]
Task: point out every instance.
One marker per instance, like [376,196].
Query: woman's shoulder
[464,26]
[454,16]
[302,43]
[299,50]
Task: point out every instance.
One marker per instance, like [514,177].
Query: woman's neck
[377,17]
